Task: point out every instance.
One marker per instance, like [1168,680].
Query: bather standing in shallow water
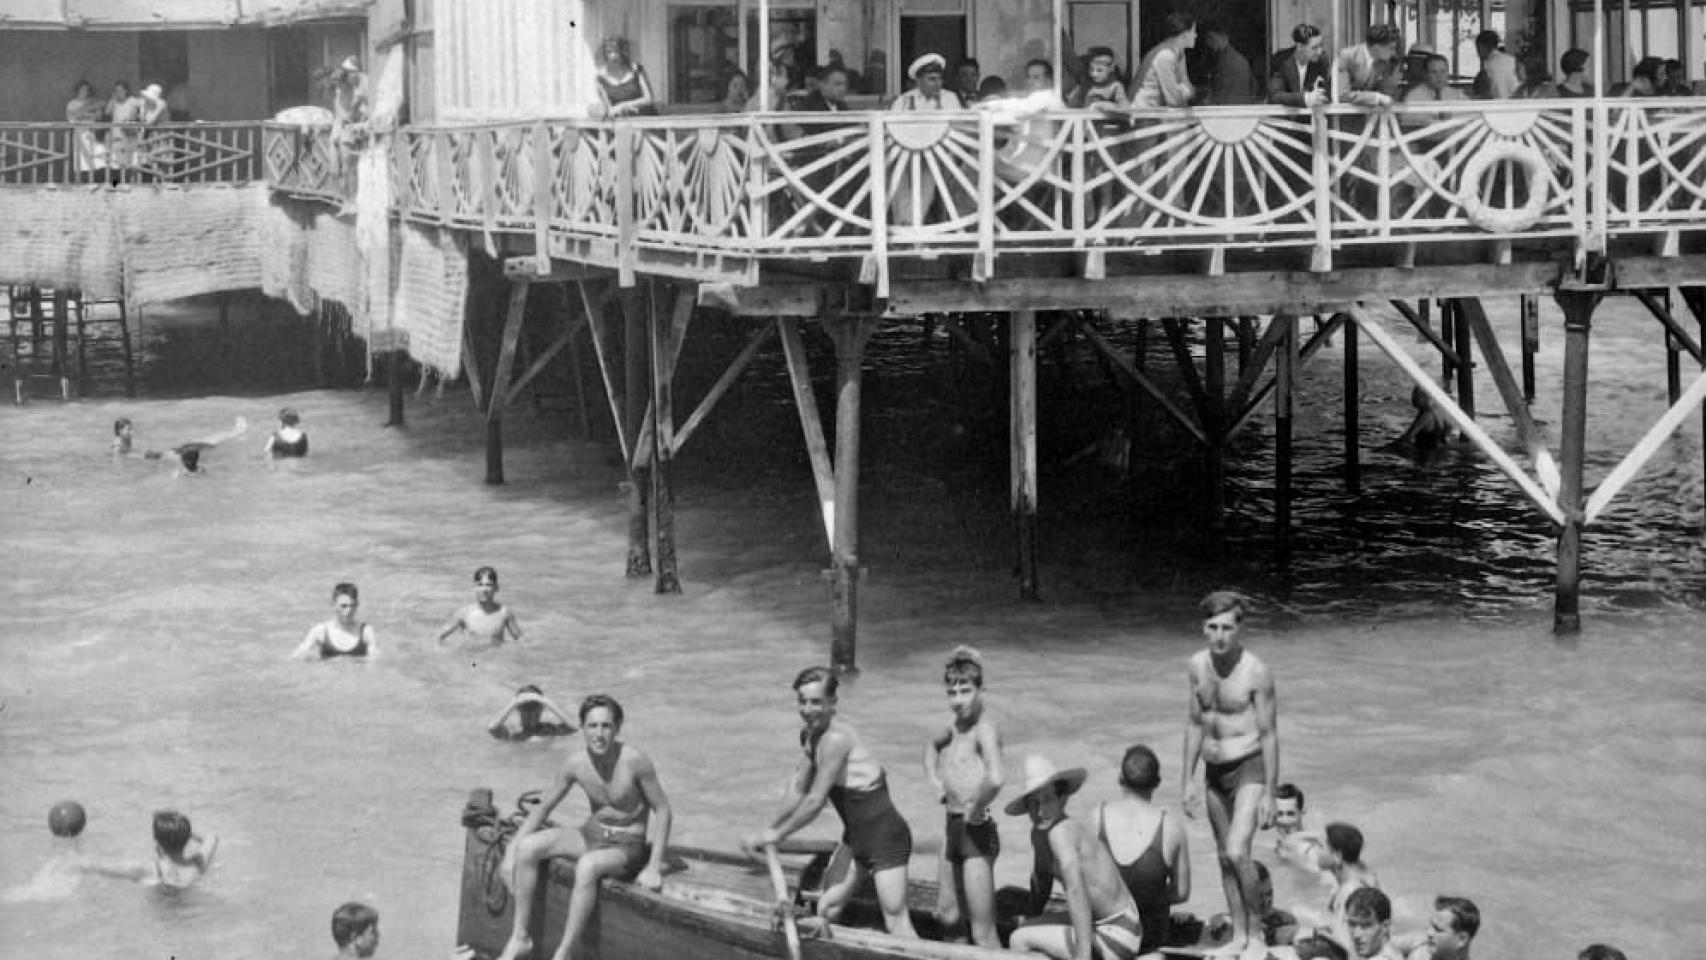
[341,636]
[288,441]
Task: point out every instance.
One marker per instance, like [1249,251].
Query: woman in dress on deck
[622,83]
[84,108]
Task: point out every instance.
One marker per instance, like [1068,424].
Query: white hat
[350,64]
[152,91]
[1040,774]
[926,62]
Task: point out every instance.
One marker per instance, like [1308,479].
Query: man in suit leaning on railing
[1299,75]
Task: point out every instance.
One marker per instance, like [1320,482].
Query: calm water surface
[146,621]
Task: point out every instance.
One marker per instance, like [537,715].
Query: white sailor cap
[930,61]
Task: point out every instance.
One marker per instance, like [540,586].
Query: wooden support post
[634,393]
[497,398]
[1286,374]
[1353,420]
[82,343]
[1578,321]
[850,336]
[394,385]
[1465,354]
[1214,417]
[1673,360]
[61,335]
[129,353]
[1530,343]
[663,434]
[1246,341]
[1022,433]
[1448,334]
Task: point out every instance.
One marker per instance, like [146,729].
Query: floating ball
[66,819]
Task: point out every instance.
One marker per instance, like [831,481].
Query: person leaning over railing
[1435,88]
[1367,75]
[1299,74]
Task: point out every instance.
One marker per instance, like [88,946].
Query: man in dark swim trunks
[1232,726]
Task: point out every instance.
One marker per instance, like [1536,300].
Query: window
[164,58]
[704,49]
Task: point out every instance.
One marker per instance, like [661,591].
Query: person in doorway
[124,112]
[963,763]
[1497,79]
[355,929]
[623,838]
[736,92]
[1162,79]
[623,88]
[343,635]
[528,716]
[1230,81]
[840,771]
[485,620]
[1102,922]
[155,109]
[1232,726]
[85,110]
[1299,75]
[288,441]
[1148,847]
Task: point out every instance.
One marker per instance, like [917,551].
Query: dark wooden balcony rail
[62,153]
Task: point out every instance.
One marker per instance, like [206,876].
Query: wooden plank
[1023,427]
[724,383]
[1251,369]
[1175,331]
[662,422]
[850,336]
[470,365]
[514,319]
[811,423]
[559,271]
[596,321]
[1637,458]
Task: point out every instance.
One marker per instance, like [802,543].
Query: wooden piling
[1022,434]
[663,433]
[1285,377]
[1578,308]
[636,363]
[497,398]
[1530,343]
[1673,359]
[1214,417]
[1466,355]
[850,336]
[1353,420]
[1447,334]
[394,362]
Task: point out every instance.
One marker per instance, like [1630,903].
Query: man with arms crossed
[625,837]
[1232,726]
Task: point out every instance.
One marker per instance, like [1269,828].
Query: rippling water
[146,620]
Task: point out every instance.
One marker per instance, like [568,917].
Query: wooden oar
[784,903]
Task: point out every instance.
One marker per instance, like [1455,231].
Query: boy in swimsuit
[1102,921]
[485,620]
[840,771]
[1233,727]
[181,856]
[1342,858]
[624,837]
[288,440]
[963,763]
[1149,848]
[524,717]
[1368,917]
[341,636]
[355,929]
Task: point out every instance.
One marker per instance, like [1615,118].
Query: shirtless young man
[963,762]
[1103,922]
[1232,726]
[625,837]
[485,620]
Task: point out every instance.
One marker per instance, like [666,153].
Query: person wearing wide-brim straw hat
[1102,920]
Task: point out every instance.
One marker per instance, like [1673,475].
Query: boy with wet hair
[963,763]
[528,711]
[355,929]
[181,856]
[1294,844]
[1368,918]
[1342,857]
[1451,929]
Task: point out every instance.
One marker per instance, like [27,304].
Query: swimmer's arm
[512,625]
[989,747]
[832,752]
[559,790]
[1071,872]
[646,776]
[310,644]
[372,639]
[454,625]
[932,754]
[135,872]
[207,847]
[496,727]
[562,717]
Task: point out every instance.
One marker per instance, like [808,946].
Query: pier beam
[497,398]
[663,430]
[1353,420]
[394,362]
[637,362]
[1530,343]
[1466,357]
[1214,417]
[1285,380]
[1578,308]
[1022,435]
[850,336]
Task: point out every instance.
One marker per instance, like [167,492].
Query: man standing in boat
[1233,727]
[840,770]
[625,837]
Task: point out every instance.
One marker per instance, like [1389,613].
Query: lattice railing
[991,182]
[42,153]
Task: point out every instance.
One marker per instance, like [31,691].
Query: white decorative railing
[986,183]
[52,153]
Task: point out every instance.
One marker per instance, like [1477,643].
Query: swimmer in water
[57,878]
[1294,844]
[187,456]
[341,636]
[181,856]
[527,711]
[288,440]
[1342,857]
[485,620]
[963,762]
[355,929]
[1429,431]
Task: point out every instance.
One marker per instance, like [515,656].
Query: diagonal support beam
[1432,336]
[1175,329]
[1251,371]
[811,423]
[736,367]
[1317,340]
[677,334]
[1526,431]
[600,348]
[1142,380]
[1643,451]
[1453,412]
[1668,320]
[571,328]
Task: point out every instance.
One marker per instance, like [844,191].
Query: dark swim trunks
[872,828]
[970,841]
[635,850]
[1225,778]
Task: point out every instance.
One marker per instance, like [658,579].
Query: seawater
[1423,697]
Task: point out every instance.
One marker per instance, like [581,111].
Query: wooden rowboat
[713,906]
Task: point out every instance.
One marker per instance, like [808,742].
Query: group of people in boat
[1121,867]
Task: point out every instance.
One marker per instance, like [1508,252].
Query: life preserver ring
[1496,219]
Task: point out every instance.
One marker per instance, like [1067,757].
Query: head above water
[121,426]
[604,700]
[1369,904]
[1319,948]
[1600,951]
[171,831]
[1140,770]
[823,675]
[1345,841]
[1452,928]
[346,589]
[353,920]
[964,664]
[486,575]
[67,818]
[1222,601]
